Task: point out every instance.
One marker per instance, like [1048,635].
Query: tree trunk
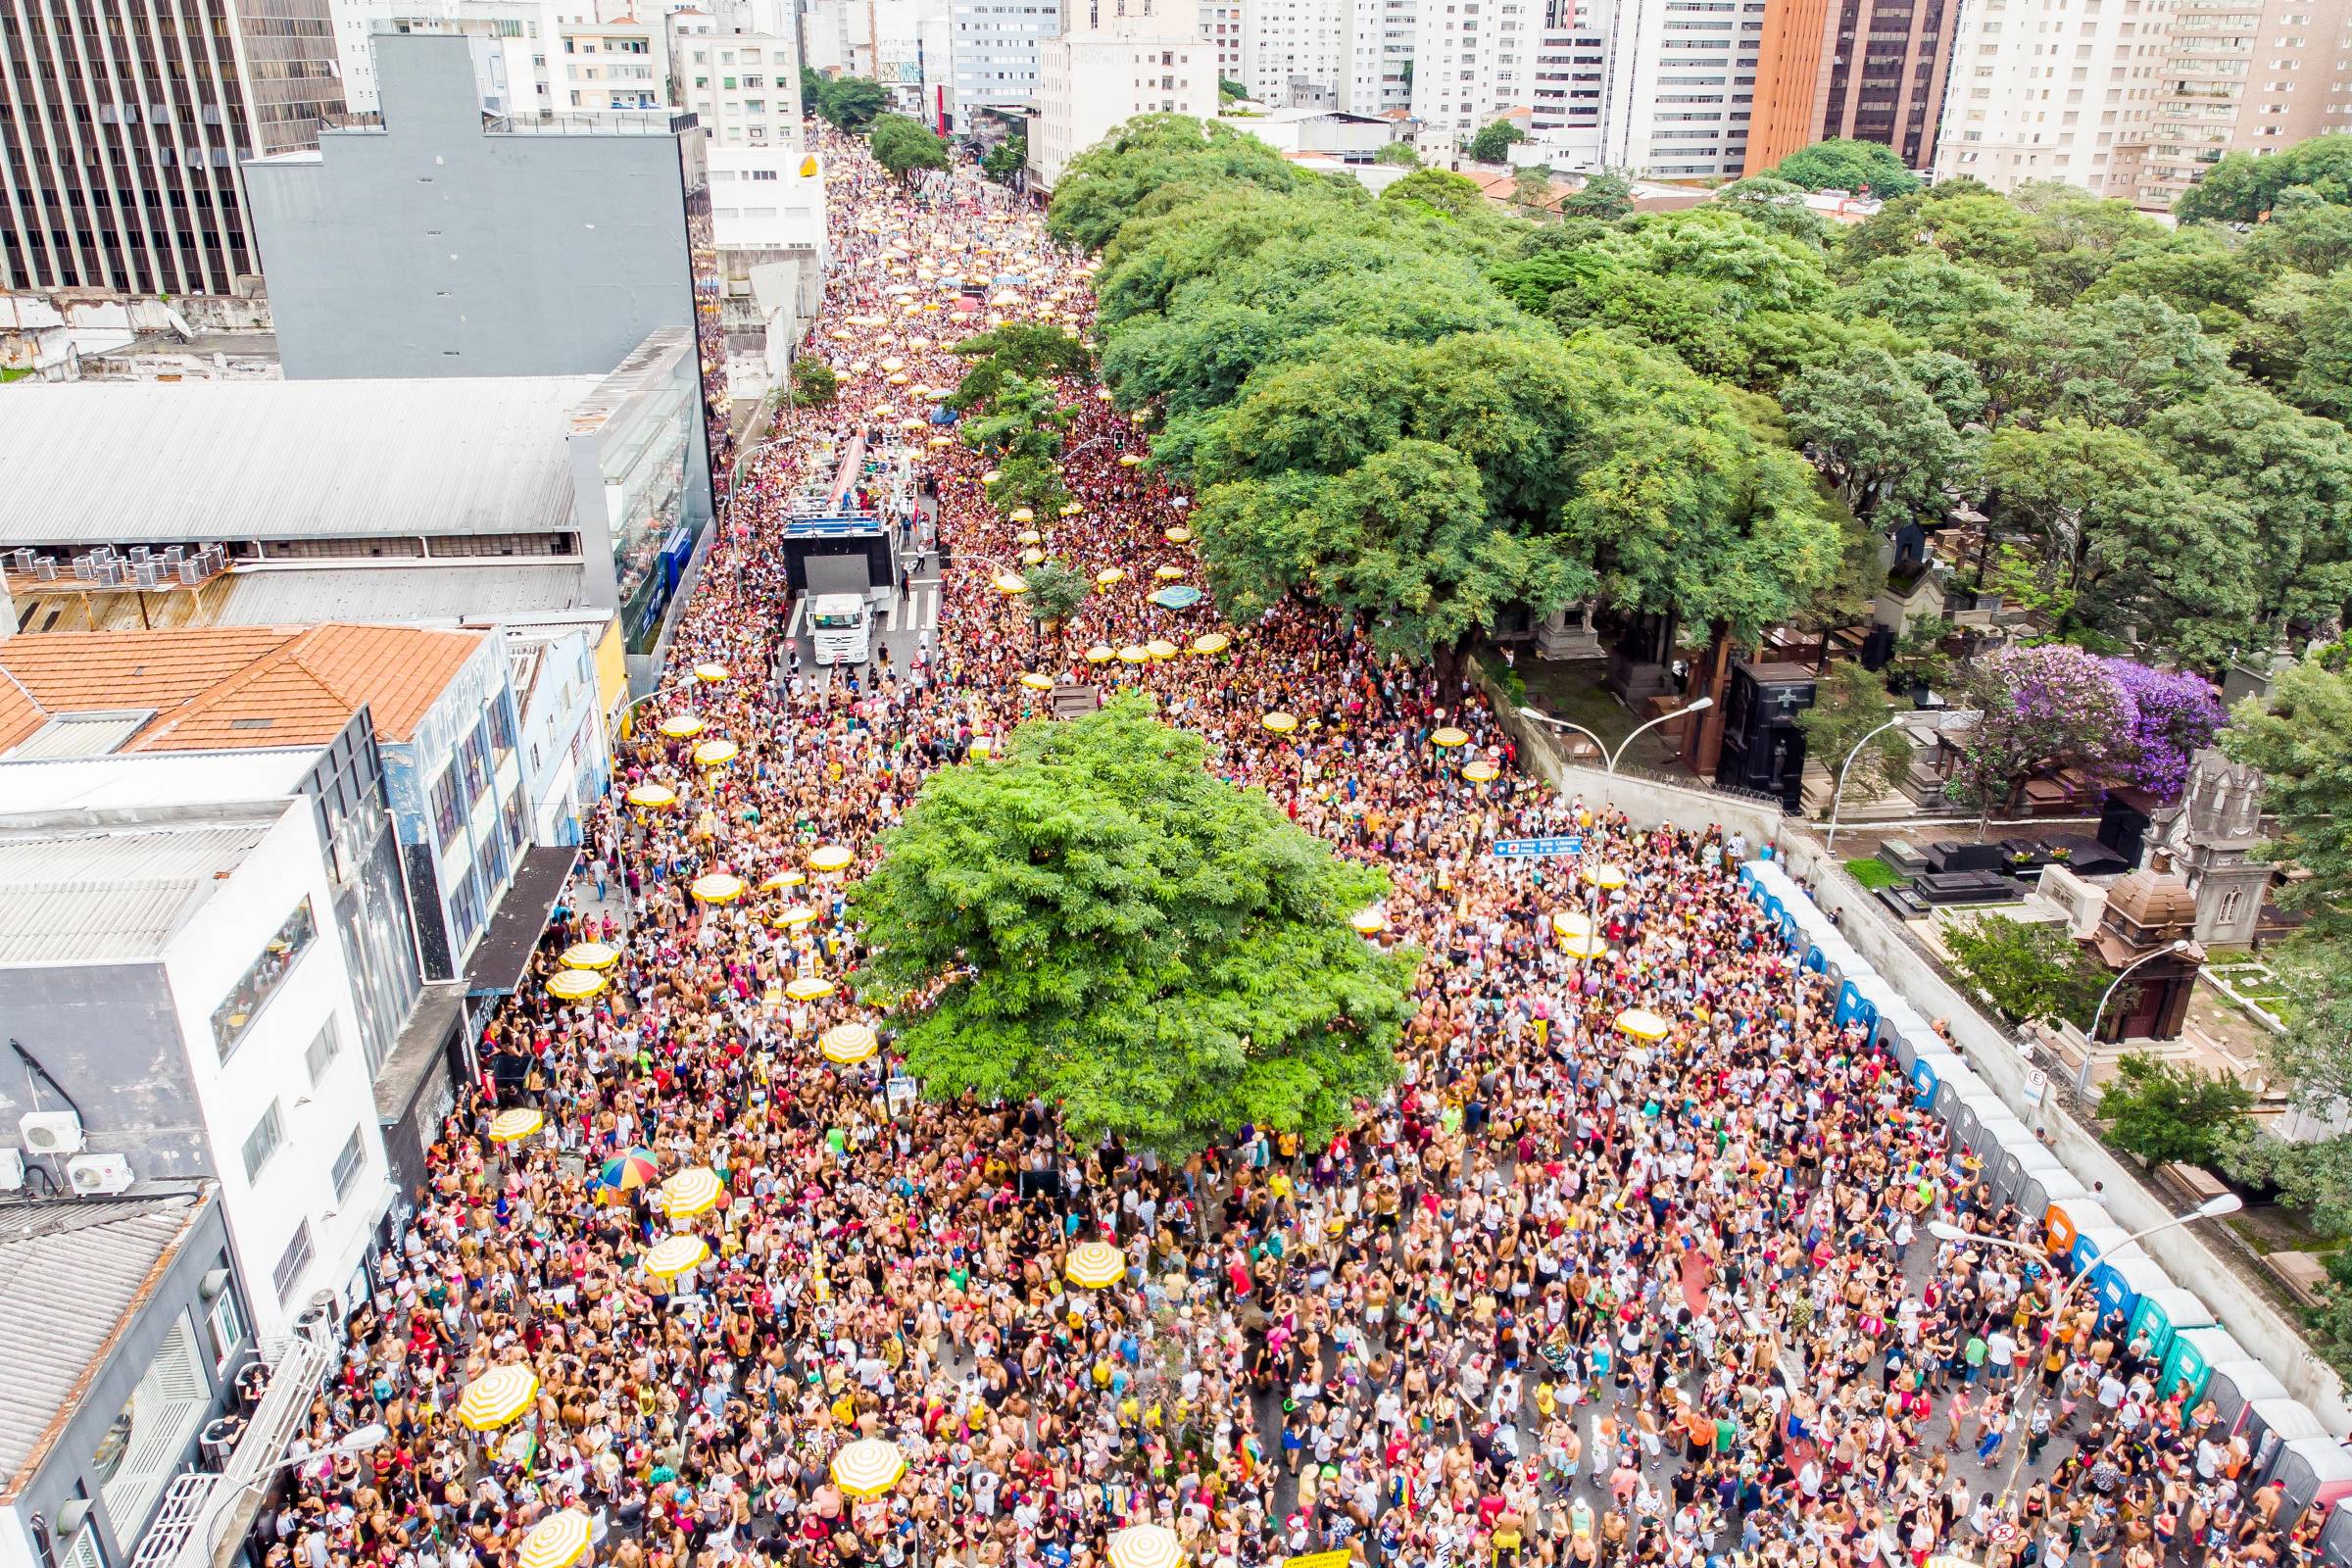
[1704,750]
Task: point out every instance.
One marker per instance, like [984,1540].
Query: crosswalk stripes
[800,615]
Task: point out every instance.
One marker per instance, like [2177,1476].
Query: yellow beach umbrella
[1071,508]
[1095,1265]
[1102,394]
[711,674]
[848,1042]
[1369,922]
[1178,535]
[1100,653]
[1111,576]
[653,797]
[1028,536]
[558,1541]
[809,987]
[574,985]
[830,858]
[1643,1024]
[1167,573]
[1279,722]
[1010,583]
[693,1192]
[1605,877]
[1038,683]
[682,726]
[1449,737]
[991,477]
[719,887]
[1033,557]
[716,753]
[1134,654]
[1571,922]
[1482,771]
[666,1261]
[1023,515]
[868,1467]
[1160,648]
[1128,460]
[792,916]
[783,879]
[591,956]
[1592,945]
[1145,1547]
[1214,642]
[498,1397]
[509,1126]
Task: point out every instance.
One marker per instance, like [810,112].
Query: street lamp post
[1610,759]
[1838,795]
[2091,1036]
[1944,1231]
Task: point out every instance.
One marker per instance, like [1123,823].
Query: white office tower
[737,67]
[1129,61]
[839,35]
[2053,89]
[1328,54]
[530,57]
[996,45]
[1380,57]
[1538,62]
[1682,84]
[1221,23]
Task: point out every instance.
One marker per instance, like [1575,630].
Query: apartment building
[1351,55]
[2053,89]
[736,68]
[1130,62]
[119,166]
[1868,70]
[995,46]
[2243,75]
[1221,29]
[1680,87]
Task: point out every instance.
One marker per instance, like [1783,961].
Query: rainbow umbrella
[625,1173]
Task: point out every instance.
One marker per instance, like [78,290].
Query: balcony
[201,1508]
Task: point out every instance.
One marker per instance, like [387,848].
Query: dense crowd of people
[1568,1295]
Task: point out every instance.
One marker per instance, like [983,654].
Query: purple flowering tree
[2176,715]
[2043,709]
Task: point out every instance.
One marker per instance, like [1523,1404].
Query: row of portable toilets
[2290,1445]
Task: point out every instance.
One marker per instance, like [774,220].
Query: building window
[225,1325]
[246,998]
[346,1166]
[143,1447]
[323,1050]
[269,1134]
[446,817]
[292,1262]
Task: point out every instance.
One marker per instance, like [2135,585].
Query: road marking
[800,612]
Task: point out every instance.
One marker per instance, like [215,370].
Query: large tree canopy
[1844,164]
[1097,921]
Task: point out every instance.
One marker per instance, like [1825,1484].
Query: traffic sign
[1537,848]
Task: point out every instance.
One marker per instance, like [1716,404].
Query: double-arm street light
[1608,757]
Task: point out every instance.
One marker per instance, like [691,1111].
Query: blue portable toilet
[2120,1282]
[1853,1006]
[2164,1313]
[2095,1231]
[1924,1077]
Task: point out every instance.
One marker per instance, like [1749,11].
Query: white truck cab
[842,628]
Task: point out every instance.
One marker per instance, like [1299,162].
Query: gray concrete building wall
[107,1035]
[440,245]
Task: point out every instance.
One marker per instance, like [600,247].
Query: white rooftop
[116,889]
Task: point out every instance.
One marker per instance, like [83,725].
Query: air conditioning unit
[94,1175]
[12,1170]
[51,1132]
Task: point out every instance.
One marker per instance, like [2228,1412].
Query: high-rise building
[1221,29]
[1869,70]
[1539,62]
[995,46]
[1682,84]
[1128,61]
[119,162]
[2052,90]
[736,68]
[1353,55]
[2242,76]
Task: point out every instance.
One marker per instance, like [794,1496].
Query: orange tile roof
[216,687]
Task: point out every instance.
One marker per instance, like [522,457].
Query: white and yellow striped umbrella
[1369,922]
[1571,924]
[809,987]
[792,916]
[574,985]
[1178,535]
[1605,877]
[1482,771]
[848,1044]
[716,754]
[1037,682]
[558,1541]
[719,887]
[1591,946]
[668,1260]
[783,879]
[1111,576]
[711,674]
[1280,724]
[1100,653]
[682,726]
[1145,1547]
[1643,1024]
[1449,737]
[691,1192]
[509,1125]
[499,1396]
[1167,573]
[830,858]
[1160,648]
[1214,642]
[868,1467]
[653,797]
[591,956]
[1010,583]
[1095,1265]
[1135,654]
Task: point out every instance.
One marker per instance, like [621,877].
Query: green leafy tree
[2165,1114]
[906,147]
[1777,204]
[1006,160]
[2242,187]
[2300,735]
[815,385]
[1228,90]
[1849,702]
[1025,481]
[851,103]
[1056,592]
[1844,164]
[1494,144]
[1018,351]
[1440,191]
[2331,1322]
[1399,152]
[2029,970]
[1879,432]
[1105,186]
[2323,379]
[1531,189]
[1098,921]
[1964,223]
[1602,197]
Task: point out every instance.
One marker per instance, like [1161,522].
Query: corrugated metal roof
[113,892]
[81,735]
[280,595]
[287,460]
[70,1274]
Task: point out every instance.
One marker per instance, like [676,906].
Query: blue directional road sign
[1537,848]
